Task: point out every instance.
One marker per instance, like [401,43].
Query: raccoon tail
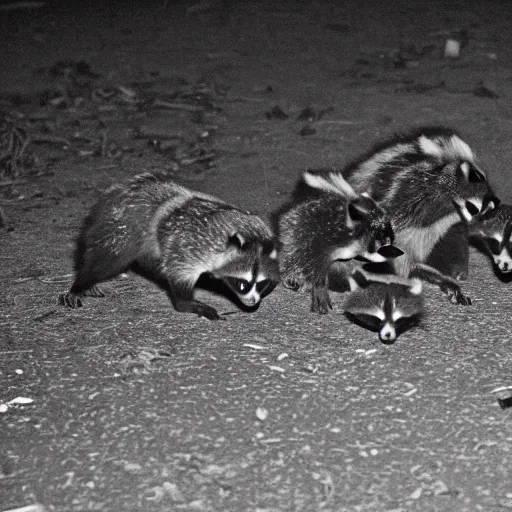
[329,182]
[447,284]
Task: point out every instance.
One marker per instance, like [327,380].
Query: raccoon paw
[320,301]
[70,300]
[457,297]
[294,282]
[208,312]
[93,291]
[460,275]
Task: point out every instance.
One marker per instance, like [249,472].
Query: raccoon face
[252,271]
[374,231]
[497,236]
[388,309]
[473,196]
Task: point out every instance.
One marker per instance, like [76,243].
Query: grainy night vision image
[255,256]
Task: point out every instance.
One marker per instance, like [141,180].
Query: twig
[177,106]
[7,352]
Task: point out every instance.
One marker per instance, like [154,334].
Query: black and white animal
[389,307]
[174,235]
[339,225]
[429,183]
[493,233]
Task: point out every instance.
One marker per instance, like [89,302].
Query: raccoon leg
[447,284]
[95,267]
[450,255]
[182,298]
[320,300]
[294,281]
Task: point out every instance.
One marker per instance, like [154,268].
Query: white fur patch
[464,167]
[375,257]
[397,314]
[457,148]
[503,261]
[250,299]
[365,173]
[416,287]
[498,237]
[376,312]
[333,183]
[348,252]
[273,255]
[246,276]
[419,241]
[430,147]
[387,332]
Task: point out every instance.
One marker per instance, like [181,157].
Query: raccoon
[493,234]
[339,225]
[389,307]
[428,182]
[174,236]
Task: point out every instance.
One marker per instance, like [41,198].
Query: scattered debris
[276,114]
[13,149]
[505,402]
[142,358]
[308,114]
[261,413]
[439,488]
[451,49]
[310,368]
[36,507]
[501,388]
[254,346]
[18,401]
[166,490]
[484,92]
[307,130]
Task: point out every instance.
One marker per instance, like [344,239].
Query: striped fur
[428,182]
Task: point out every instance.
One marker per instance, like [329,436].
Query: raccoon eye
[406,322]
[241,286]
[494,245]
[475,176]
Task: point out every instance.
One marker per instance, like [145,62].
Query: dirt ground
[134,407]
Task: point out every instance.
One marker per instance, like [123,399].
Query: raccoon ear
[329,182]
[354,214]
[236,240]
[271,248]
[416,286]
[470,173]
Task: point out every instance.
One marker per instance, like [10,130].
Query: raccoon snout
[491,202]
[387,334]
[250,300]
[505,266]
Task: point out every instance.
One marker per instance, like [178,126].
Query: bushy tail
[330,182]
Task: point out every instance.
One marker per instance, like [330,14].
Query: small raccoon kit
[337,225]
[174,236]
[386,306]
[493,233]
